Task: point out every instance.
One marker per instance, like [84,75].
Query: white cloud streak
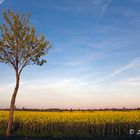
[129,66]
[104,8]
[134,63]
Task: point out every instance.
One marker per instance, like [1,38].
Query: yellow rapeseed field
[76,123]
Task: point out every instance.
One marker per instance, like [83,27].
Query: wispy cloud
[104,8]
[126,67]
[134,63]
[1,1]
[73,63]
[134,81]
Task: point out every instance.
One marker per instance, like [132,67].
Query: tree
[20,46]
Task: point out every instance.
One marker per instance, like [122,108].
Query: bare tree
[20,46]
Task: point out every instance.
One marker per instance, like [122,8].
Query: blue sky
[95,59]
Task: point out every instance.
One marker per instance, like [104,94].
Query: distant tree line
[71,110]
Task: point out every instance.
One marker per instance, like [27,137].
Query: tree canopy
[20,45]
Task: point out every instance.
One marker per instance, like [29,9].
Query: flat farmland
[72,124]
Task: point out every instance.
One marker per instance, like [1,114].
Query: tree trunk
[12,106]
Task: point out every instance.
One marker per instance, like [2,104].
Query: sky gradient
[95,59]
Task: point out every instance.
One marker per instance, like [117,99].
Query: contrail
[102,12]
[1,1]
